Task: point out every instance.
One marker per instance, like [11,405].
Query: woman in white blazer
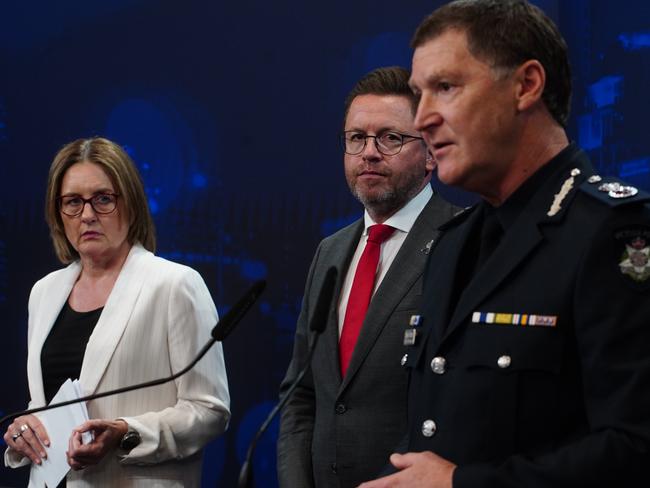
[115,316]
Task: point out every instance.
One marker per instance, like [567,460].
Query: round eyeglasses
[102,203]
[387,143]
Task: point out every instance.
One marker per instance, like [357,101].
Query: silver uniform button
[428,428]
[404,359]
[504,361]
[438,365]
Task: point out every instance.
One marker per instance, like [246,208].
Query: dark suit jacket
[540,406]
[337,433]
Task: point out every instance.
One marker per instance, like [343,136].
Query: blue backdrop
[231,111]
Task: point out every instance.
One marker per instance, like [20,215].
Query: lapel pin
[427,247]
[410,335]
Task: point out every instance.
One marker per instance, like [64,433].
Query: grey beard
[388,202]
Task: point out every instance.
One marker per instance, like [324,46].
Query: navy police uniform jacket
[536,372]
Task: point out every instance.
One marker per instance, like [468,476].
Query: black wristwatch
[130,440]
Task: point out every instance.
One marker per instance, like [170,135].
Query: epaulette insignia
[616,190]
[612,191]
[594,179]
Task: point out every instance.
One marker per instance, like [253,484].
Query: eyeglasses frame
[85,201]
[365,142]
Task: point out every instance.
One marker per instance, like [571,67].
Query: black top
[65,346]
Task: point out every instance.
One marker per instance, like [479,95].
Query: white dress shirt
[402,221]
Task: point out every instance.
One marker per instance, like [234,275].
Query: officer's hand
[418,470]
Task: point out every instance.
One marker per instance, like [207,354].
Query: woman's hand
[107,436]
[27,436]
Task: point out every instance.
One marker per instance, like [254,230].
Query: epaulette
[457,218]
[613,191]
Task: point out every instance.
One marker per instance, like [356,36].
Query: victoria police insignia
[635,261]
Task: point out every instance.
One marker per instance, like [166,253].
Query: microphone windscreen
[322,309]
[228,322]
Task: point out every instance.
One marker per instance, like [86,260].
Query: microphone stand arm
[245,477]
[146,384]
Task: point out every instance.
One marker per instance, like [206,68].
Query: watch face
[130,440]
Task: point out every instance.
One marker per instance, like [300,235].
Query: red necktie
[361,291]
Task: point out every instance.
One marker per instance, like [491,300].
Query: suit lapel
[441,274]
[114,318]
[400,278]
[344,250]
[55,295]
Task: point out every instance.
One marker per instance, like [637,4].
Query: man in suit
[350,408]
[530,363]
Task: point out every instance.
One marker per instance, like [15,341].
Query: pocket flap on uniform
[511,349]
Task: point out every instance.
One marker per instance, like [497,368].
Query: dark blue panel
[231,111]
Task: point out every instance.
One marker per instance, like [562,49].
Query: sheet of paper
[59,423]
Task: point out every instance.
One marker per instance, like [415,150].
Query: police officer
[531,368]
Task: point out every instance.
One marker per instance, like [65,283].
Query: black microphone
[220,331]
[237,312]
[317,325]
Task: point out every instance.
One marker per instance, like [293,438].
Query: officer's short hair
[505,34]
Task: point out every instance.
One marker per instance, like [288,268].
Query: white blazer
[157,317]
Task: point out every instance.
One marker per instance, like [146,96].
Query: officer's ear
[530,80]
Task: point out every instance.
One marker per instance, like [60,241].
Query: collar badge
[564,191]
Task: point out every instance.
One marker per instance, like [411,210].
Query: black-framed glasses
[388,143]
[102,203]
